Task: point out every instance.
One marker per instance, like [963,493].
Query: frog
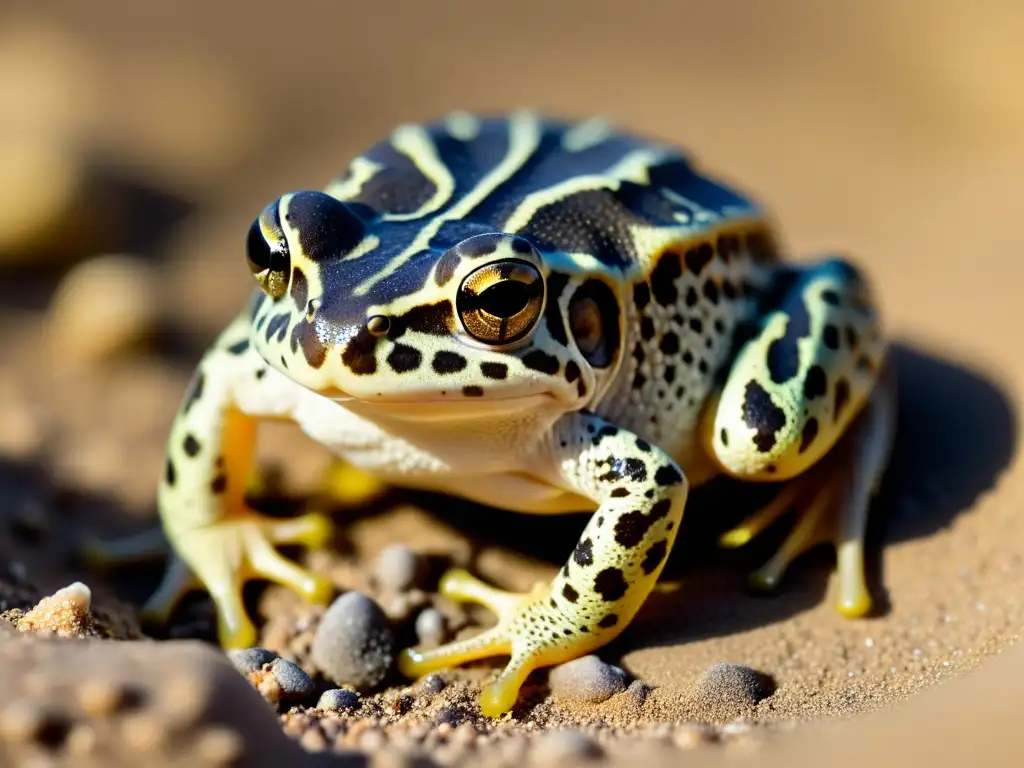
[549,316]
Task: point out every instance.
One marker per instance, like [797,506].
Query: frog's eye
[594,321]
[266,250]
[500,302]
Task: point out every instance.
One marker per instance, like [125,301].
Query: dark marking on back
[239,347]
[784,352]
[278,326]
[667,475]
[635,469]
[631,528]
[815,382]
[699,257]
[664,276]
[842,397]
[608,621]
[170,473]
[191,446]
[610,584]
[641,295]
[830,335]
[760,413]
[810,431]
[669,343]
[432,319]
[570,594]
[619,493]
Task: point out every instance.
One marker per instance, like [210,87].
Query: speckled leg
[641,493]
[810,399]
[220,543]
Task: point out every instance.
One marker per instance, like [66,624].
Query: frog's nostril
[378,325]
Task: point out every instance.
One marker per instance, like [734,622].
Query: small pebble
[564,746]
[295,684]
[448,716]
[586,679]
[339,700]
[430,627]
[354,643]
[433,684]
[397,567]
[734,684]
[66,612]
[249,660]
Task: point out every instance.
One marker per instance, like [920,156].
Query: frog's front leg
[218,542]
[810,399]
[641,493]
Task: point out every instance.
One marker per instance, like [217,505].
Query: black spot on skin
[670,374]
[724,437]
[635,469]
[570,594]
[448,362]
[479,245]
[655,554]
[522,246]
[638,353]
[494,370]
[299,289]
[600,521]
[643,445]
[553,311]
[278,326]
[691,297]
[851,338]
[631,528]
[446,266]
[830,297]
[647,327]
[572,371]
[667,475]
[608,621]
[699,257]
[239,347]
[219,484]
[815,383]
[641,295]
[639,380]
[313,348]
[610,584]
[696,325]
[583,555]
[541,361]
[830,335]
[660,509]
[618,493]
[431,319]
[473,391]
[359,355]
[327,227]
[404,358]
[808,434]
[195,390]
[760,413]
[784,353]
[663,278]
[191,446]
[669,343]
[842,397]
[606,431]
[762,249]
[711,292]
[728,290]
[260,373]
[170,473]
[702,366]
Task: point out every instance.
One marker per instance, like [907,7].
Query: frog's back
[685,253]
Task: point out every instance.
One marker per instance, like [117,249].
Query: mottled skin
[547,317]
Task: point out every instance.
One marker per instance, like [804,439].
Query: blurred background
[138,141]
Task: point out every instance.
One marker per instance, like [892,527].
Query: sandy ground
[890,133]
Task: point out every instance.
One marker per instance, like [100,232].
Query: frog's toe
[528,630]
[267,562]
[177,581]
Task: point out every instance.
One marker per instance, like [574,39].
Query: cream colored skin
[600,404]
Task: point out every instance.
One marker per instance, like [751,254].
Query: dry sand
[889,133]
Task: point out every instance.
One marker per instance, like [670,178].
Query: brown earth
[890,132]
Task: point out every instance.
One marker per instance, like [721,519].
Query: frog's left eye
[499,303]
[267,252]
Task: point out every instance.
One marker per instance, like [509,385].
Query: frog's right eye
[267,252]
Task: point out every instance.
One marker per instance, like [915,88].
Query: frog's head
[361,307]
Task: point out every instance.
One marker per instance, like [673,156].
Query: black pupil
[258,249]
[507,298]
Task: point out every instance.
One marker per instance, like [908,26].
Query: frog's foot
[223,556]
[528,630]
[832,499]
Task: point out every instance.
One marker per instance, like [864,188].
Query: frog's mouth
[440,408]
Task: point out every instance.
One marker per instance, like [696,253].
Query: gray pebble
[430,627]
[586,679]
[448,715]
[295,684]
[433,684]
[354,643]
[339,700]
[397,568]
[564,746]
[733,686]
[249,660]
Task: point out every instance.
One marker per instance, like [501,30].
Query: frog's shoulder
[581,187]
